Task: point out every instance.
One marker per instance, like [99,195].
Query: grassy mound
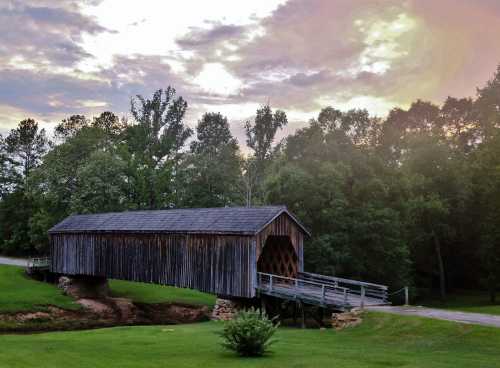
[381,341]
[151,293]
[19,293]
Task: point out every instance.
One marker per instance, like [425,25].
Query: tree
[328,175]
[21,153]
[460,123]
[485,207]
[72,170]
[16,210]
[56,180]
[8,175]
[70,126]
[487,106]
[153,145]
[355,125]
[212,171]
[111,126]
[27,145]
[260,138]
[421,118]
[101,185]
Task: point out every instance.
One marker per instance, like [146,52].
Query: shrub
[249,333]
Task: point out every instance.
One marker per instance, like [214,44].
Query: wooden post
[323,294]
[263,306]
[270,282]
[362,297]
[302,315]
[407,296]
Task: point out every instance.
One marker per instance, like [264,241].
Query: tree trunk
[492,288]
[442,283]
[493,295]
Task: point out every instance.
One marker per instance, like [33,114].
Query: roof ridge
[179,209]
[221,220]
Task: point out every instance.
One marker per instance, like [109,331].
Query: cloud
[300,56]
[44,33]
[201,38]
[337,50]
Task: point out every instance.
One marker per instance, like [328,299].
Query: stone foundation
[346,319]
[225,309]
[84,287]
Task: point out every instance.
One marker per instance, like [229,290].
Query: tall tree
[101,185]
[27,145]
[260,138]
[212,171]
[488,106]
[111,126]
[460,123]
[154,145]
[8,175]
[70,126]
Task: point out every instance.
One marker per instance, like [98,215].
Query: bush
[248,333]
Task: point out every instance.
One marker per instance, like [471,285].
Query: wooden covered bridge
[235,252]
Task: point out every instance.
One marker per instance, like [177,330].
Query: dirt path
[13,261]
[447,315]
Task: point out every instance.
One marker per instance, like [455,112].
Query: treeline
[410,199]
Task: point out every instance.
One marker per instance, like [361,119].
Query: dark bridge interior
[278,257]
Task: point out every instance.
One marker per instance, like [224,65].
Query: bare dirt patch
[106,312]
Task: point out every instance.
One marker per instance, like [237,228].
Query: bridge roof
[220,220]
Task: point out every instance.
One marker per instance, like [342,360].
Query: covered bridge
[215,250]
[233,252]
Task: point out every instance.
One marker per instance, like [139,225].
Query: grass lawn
[151,293]
[20,293]
[466,301]
[382,340]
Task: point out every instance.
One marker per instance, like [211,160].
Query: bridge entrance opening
[278,257]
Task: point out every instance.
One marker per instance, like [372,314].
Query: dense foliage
[249,333]
[413,198]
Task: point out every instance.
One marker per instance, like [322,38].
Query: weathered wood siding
[283,225]
[218,264]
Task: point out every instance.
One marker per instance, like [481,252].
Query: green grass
[382,340]
[20,293]
[151,293]
[466,301]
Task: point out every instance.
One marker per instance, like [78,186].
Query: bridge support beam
[302,314]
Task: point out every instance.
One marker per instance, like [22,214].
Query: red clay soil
[97,313]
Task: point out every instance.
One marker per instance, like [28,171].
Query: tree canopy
[409,199]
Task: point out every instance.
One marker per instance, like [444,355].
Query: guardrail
[360,288]
[304,290]
[38,263]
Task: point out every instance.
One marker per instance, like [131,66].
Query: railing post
[362,297]
[323,294]
[407,296]
[270,282]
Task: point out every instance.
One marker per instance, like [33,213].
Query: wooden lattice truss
[278,257]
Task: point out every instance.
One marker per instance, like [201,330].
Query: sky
[59,58]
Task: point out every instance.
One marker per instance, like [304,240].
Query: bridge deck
[323,290]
